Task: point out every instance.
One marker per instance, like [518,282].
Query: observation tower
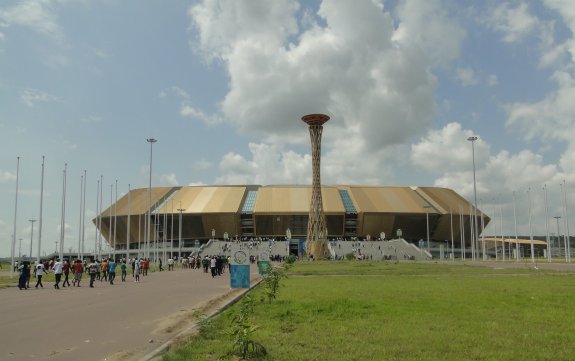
[317,245]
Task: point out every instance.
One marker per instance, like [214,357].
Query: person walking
[170,264]
[78,269]
[24,269]
[66,269]
[160,264]
[39,270]
[123,268]
[111,270]
[213,266]
[137,271]
[58,268]
[92,270]
[104,268]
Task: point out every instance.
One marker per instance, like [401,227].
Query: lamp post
[20,249]
[472,140]
[180,233]
[147,230]
[31,234]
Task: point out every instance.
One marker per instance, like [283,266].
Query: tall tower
[316,227]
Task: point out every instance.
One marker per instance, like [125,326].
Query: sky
[222,85]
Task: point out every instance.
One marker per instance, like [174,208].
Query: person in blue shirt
[111,270]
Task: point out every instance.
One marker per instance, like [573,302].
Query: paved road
[122,321]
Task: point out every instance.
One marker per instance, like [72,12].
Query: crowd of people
[105,270]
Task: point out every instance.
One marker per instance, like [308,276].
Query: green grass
[378,311]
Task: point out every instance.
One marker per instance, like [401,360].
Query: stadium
[183,219]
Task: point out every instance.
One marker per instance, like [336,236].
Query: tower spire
[316,226]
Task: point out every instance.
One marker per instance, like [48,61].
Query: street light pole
[476,234]
[147,231]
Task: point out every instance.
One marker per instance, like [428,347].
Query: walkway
[120,322]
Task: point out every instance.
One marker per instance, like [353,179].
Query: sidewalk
[123,321]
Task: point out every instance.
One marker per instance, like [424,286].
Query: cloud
[448,150]
[513,22]
[7,176]
[447,153]
[37,15]
[347,59]
[269,165]
[30,97]
[550,118]
[201,165]
[168,179]
[187,110]
[492,80]
[466,76]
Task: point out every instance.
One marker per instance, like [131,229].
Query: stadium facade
[251,211]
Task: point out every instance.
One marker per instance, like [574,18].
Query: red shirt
[78,267]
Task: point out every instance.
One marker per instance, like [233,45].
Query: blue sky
[222,84]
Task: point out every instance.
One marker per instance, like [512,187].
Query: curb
[162,348]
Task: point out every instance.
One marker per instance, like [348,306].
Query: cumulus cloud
[168,179]
[269,165]
[447,153]
[347,60]
[37,15]
[550,118]
[513,22]
[448,150]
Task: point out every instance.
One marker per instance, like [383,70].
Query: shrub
[242,332]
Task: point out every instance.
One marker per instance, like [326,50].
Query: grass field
[378,311]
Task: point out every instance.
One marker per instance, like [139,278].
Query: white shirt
[39,269]
[57,267]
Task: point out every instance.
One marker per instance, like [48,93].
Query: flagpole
[129,223]
[41,211]
[565,224]
[452,242]
[547,224]
[530,228]
[15,217]
[80,220]
[97,218]
[83,217]
[516,234]
[63,223]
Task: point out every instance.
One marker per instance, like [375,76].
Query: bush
[242,332]
[350,256]
[290,259]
